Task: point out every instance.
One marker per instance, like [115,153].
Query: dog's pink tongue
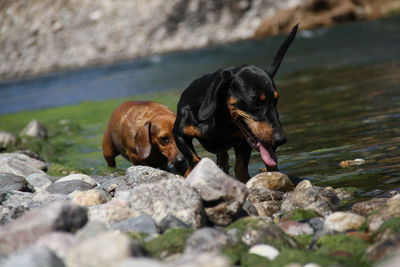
[266,156]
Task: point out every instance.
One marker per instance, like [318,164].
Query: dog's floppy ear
[273,69]
[143,141]
[210,100]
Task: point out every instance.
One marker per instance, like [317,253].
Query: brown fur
[135,131]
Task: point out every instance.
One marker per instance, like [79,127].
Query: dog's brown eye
[164,139]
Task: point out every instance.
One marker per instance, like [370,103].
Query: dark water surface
[340,96]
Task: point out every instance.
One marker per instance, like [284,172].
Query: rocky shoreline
[149,217]
[45,36]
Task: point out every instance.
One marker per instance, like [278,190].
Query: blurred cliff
[39,36]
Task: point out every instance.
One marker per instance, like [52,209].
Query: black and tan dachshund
[233,107]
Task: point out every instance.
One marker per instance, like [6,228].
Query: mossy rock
[349,250]
[392,225]
[244,224]
[253,260]
[303,241]
[301,215]
[138,236]
[287,256]
[235,252]
[170,242]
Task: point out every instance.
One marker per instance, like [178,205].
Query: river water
[340,97]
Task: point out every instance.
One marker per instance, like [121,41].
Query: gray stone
[20,164]
[7,139]
[364,208]
[143,224]
[78,177]
[91,229]
[147,175]
[35,129]
[270,234]
[390,210]
[33,257]
[307,196]
[168,197]
[14,198]
[103,250]
[384,248]
[207,240]
[38,181]
[223,196]
[67,187]
[171,221]
[58,242]
[317,223]
[9,181]
[113,211]
[258,194]
[270,180]
[267,208]
[250,208]
[142,262]
[35,223]
[7,214]
[117,184]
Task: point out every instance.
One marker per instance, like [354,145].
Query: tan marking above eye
[276,94]
[263,97]
[231,101]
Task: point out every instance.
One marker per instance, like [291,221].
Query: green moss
[235,253]
[303,241]
[138,236]
[288,256]
[347,249]
[392,225]
[252,260]
[301,214]
[169,243]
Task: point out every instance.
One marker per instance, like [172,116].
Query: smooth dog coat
[233,107]
[141,131]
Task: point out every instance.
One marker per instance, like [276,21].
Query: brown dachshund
[141,131]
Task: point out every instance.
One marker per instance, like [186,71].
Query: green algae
[247,223]
[287,256]
[234,253]
[392,225]
[301,215]
[303,241]
[170,242]
[252,260]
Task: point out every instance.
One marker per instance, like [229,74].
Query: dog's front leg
[243,153]
[185,145]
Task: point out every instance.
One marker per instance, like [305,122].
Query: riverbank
[46,36]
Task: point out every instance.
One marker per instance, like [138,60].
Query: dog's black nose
[279,140]
[180,164]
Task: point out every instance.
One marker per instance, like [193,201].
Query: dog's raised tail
[273,69]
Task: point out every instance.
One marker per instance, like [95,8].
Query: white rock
[34,129]
[343,221]
[7,139]
[20,164]
[265,251]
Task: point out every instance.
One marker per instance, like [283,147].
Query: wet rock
[202,260]
[7,139]
[33,257]
[114,247]
[207,240]
[267,208]
[78,177]
[296,228]
[147,175]
[20,164]
[168,197]
[113,211]
[307,196]
[345,193]
[351,163]
[343,221]
[32,225]
[364,208]
[90,197]
[38,181]
[223,196]
[143,224]
[35,129]
[390,210]
[58,242]
[67,187]
[171,221]
[270,180]
[265,251]
[258,194]
[9,181]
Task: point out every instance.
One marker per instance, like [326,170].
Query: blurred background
[69,63]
